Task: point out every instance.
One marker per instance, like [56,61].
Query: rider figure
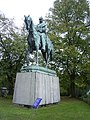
[41,29]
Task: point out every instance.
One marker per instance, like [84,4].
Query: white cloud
[18,8]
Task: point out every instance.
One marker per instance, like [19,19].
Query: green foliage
[69,31]
[86,98]
[12,51]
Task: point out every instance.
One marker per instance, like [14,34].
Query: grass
[67,109]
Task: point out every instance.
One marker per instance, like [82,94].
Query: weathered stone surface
[32,85]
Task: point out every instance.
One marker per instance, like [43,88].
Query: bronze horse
[34,41]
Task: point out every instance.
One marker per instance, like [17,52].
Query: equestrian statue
[38,39]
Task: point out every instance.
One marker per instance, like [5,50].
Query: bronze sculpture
[38,39]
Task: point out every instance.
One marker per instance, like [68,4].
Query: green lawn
[67,109]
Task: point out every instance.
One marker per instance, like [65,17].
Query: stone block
[32,85]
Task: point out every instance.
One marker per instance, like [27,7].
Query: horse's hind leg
[27,58]
[47,61]
[44,56]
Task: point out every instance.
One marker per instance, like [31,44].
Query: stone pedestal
[32,85]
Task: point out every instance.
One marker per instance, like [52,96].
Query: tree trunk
[72,85]
[10,85]
[72,88]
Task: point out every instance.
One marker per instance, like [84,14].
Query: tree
[12,51]
[69,27]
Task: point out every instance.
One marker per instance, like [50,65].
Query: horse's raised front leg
[37,57]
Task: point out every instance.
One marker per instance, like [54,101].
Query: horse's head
[28,22]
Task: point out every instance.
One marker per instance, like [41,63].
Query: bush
[63,92]
[3,91]
[86,98]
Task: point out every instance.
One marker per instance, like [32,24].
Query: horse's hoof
[43,50]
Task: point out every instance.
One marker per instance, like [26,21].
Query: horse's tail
[51,52]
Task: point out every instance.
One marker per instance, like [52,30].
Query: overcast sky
[18,8]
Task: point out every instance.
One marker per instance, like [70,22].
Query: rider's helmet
[41,19]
